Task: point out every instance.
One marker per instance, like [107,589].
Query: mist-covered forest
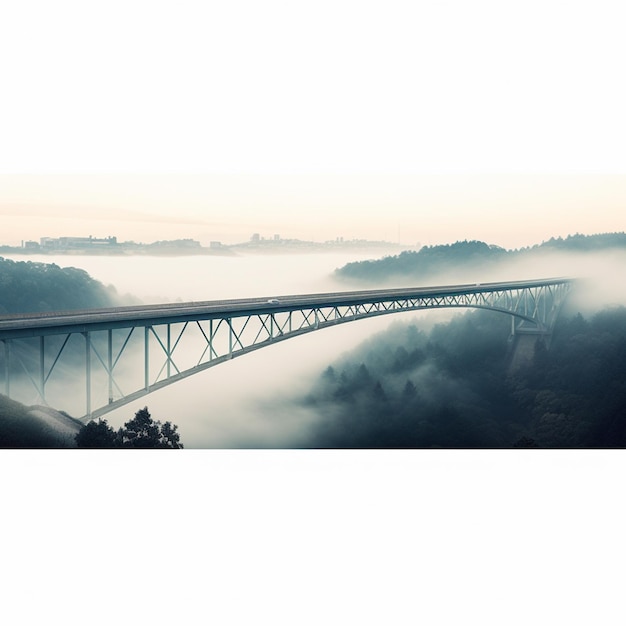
[453,387]
[30,287]
[464,259]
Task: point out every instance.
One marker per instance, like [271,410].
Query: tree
[143,432]
[409,392]
[140,432]
[96,435]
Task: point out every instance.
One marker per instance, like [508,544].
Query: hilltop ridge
[35,426]
[468,259]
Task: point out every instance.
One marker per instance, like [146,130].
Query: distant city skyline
[256,241]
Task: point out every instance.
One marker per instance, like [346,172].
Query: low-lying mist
[235,404]
[258,400]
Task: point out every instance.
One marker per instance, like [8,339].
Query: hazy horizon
[511,211]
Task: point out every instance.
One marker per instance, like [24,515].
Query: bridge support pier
[88,372]
[523,347]
[7,367]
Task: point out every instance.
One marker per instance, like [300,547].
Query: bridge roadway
[38,324]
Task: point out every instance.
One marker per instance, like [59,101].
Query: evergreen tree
[140,432]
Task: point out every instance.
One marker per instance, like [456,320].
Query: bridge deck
[23,325]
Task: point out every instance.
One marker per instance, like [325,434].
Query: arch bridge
[119,355]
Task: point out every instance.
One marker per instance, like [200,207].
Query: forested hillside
[451,388]
[467,259]
[26,286]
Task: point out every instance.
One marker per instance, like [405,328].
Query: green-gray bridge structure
[118,355]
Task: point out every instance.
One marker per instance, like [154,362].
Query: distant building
[30,245]
[69,243]
[255,238]
[215,244]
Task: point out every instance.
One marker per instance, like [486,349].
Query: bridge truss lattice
[117,356]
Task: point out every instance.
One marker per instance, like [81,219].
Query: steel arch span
[123,354]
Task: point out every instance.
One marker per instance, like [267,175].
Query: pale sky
[411,121]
